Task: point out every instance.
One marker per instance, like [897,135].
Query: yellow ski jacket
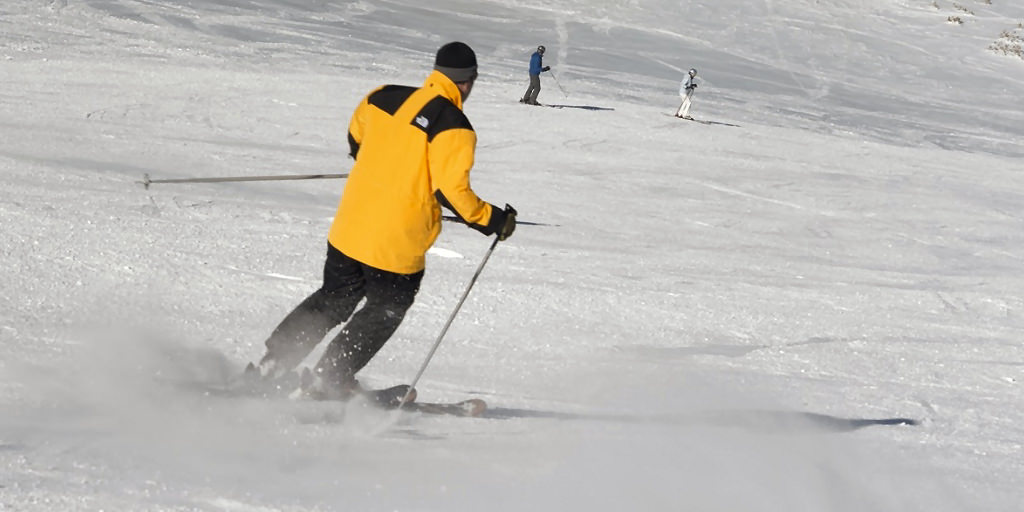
[414,149]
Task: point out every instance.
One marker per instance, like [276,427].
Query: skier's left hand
[508,225]
[546,68]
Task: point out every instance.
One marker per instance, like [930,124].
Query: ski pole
[146,181]
[558,84]
[448,324]
[452,218]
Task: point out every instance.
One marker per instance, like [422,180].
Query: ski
[298,386]
[521,102]
[471,408]
[688,118]
[702,121]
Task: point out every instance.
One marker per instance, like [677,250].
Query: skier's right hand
[546,68]
[509,224]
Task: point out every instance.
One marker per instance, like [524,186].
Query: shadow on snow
[759,420]
[582,107]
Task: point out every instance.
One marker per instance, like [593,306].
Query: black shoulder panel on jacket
[390,97]
[438,115]
[353,146]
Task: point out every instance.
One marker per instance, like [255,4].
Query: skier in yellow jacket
[413,150]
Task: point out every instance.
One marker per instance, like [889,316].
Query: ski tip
[466,408]
[474,407]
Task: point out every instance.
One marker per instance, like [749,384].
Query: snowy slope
[709,308]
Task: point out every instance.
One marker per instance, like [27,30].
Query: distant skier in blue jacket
[536,68]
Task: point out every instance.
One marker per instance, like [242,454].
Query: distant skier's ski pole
[448,324]
[558,84]
[146,181]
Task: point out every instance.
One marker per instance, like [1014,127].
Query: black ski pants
[533,90]
[346,282]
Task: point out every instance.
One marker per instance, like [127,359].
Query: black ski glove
[546,68]
[509,224]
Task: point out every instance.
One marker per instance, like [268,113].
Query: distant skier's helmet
[693,71]
[541,48]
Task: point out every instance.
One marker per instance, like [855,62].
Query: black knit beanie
[457,61]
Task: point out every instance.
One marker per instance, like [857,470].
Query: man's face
[465,88]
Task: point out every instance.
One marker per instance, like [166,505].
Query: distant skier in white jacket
[686,92]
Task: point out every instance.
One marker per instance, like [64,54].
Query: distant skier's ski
[521,102]
[702,121]
[688,118]
[559,106]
